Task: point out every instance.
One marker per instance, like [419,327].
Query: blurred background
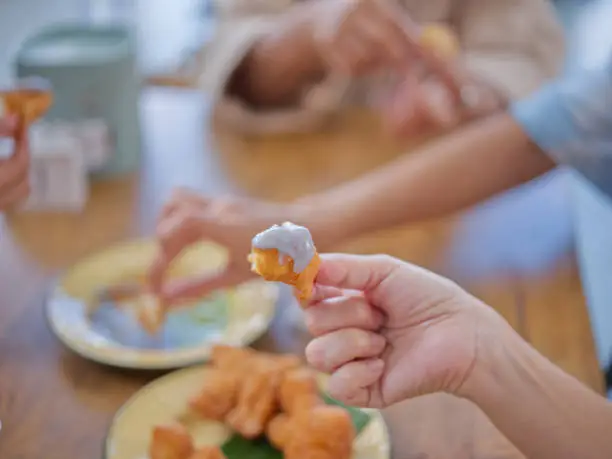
[166,32]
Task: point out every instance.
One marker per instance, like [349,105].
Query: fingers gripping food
[286,253]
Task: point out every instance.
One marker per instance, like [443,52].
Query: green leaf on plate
[238,447]
[360,418]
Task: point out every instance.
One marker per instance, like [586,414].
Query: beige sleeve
[214,65]
[515,45]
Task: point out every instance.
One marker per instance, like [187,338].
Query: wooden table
[515,252]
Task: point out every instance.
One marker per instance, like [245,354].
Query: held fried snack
[28,101]
[286,253]
[150,312]
[439,39]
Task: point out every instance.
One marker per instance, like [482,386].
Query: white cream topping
[290,240]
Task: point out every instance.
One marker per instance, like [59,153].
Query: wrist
[499,350]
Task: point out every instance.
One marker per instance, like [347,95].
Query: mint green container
[92,69]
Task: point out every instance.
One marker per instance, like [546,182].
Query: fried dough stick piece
[229,357]
[219,393]
[218,396]
[170,442]
[265,262]
[299,391]
[279,430]
[323,432]
[257,400]
[286,253]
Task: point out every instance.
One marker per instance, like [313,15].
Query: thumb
[355,272]
[180,291]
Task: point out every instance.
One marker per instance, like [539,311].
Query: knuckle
[363,313]
[384,259]
[360,341]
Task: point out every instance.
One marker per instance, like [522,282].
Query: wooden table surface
[514,252]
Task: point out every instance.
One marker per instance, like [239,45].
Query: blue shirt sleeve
[571,120]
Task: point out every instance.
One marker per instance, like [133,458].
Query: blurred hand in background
[15,169]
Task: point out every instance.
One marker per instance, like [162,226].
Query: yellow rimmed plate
[163,400]
[236,316]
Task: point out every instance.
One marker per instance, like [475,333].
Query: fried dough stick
[257,399]
[298,391]
[323,432]
[219,394]
[170,442]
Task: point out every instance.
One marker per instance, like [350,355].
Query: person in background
[567,122]
[287,66]
[403,332]
[14,169]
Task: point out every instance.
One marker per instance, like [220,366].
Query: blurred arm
[567,122]
[459,170]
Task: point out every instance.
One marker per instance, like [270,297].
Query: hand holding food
[19,107]
[434,99]
[188,218]
[15,170]
[363,36]
[286,253]
[28,101]
[406,332]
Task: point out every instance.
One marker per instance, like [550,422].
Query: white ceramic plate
[112,336]
[163,400]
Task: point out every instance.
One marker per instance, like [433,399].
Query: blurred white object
[93,137]
[58,172]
